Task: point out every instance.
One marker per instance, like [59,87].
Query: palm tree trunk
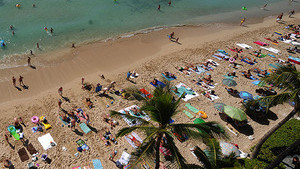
[270,132]
[283,154]
[157,157]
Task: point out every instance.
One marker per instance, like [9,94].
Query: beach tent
[46,141]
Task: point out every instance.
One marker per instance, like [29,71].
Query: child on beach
[21,81]
[14,81]
[242,21]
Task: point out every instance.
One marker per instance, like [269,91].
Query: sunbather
[231,74]
[231,91]
[89,103]
[247,74]
[109,87]
[154,81]
[207,79]
[249,60]
[134,140]
[64,117]
[208,93]
[136,111]
[168,74]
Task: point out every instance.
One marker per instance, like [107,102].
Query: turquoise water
[80,21]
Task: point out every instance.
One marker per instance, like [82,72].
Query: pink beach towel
[261,43]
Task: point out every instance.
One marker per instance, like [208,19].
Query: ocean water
[82,21]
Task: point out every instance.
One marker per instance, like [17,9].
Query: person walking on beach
[14,81]
[21,81]
[37,45]
[242,21]
[29,60]
[73,45]
[279,17]
[128,75]
[60,90]
[291,13]
[177,39]
[158,8]
[59,103]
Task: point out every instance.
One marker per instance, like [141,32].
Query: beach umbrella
[229,82]
[246,95]
[235,113]
[261,103]
[219,106]
[228,148]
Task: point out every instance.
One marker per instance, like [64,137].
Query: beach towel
[272,56]
[97,164]
[206,85]
[125,158]
[294,59]
[141,115]
[212,61]
[159,83]
[146,93]
[222,51]
[31,149]
[261,43]
[273,50]
[278,33]
[85,128]
[251,77]
[216,57]
[78,167]
[190,107]
[134,135]
[134,76]
[46,141]
[188,114]
[233,50]
[133,122]
[274,42]
[256,82]
[23,154]
[243,60]
[64,122]
[200,70]
[243,45]
[168,78]
[271,65]
[295,43]
[286,41]
[82,144]
[229,77]
[189,93]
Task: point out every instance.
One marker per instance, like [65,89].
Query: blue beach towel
[159,83]
[65,123]
[97,164]
[272,55]
[216,57]
[85,128]
[256,82]
[247,62]
[168,78]
[222,51]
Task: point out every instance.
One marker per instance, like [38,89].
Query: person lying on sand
[231,74]
[247,74]
[169,75]
[136,111]
[208,93]
[134,140]
[248,59]
[89,103]
[64,117]
[207,79]
[231,91]
[154,82]
[109,87]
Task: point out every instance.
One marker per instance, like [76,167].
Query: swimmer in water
[11,27]
[264,7]
[33,5]
[13,33]
[169,3]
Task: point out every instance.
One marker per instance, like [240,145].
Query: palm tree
[286,78]
[213,157]
[161,108]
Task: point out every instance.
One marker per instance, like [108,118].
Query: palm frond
[202,157]
[213,151]
[181,162]
[126,130]
[146,149]
[212,129]
[121,115]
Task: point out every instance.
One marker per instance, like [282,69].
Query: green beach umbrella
[219,106]
[235,113]
[229,82]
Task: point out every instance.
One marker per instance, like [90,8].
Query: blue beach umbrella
[246,95]
[261,103]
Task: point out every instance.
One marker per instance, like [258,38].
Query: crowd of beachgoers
[71,127]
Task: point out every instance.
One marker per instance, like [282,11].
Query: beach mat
[64,122]
[97,164]
[31,149]
[190,107]
[243,60]
[159,83]
[146,93]
[168,78]
[85,128]
[188,114]
[23,154]
[272,55]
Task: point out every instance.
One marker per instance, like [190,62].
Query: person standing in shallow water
[158,8]
[51,30]
[37,45]
[29,61]
[169,3]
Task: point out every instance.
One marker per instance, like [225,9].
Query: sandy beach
[149,55]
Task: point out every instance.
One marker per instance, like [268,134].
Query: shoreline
[156,41]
